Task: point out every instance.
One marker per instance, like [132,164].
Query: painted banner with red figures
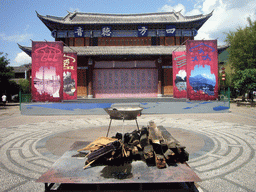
[202,69]
[47,71]
[179,61]
[70,76]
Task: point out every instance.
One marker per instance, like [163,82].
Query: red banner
[70,76]
[202,69]
[47,71]
[179,61]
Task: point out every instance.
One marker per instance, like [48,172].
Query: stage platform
[163,105]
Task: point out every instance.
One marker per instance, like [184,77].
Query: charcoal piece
[127,137]
[119,136]
[144,138]
[144,130]
[135,138]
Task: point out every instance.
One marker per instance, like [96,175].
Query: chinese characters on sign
[106,31]
[47,71]
[179,74]
[202,70]
[79,31]
[142,31]
[70,76]
[66,62]
[170,30]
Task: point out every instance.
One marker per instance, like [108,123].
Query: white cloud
[169,8]
[74,9]
[209,5]
[193,12]
[22,58]
[16,38]
[228,15]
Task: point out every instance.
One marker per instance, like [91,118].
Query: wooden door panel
[168,81]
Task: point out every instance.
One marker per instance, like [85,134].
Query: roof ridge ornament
[72,15]
[175,14]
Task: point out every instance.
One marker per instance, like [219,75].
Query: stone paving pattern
[229,165]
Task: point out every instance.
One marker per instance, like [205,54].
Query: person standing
[4,99]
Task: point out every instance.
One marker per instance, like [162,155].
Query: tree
[245,80]
[242,56]
[242,50]
[24,85]
[6,73]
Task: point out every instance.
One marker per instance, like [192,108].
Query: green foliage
[242,57]
[6,73]
[242,50]
[24,85]
[245,80]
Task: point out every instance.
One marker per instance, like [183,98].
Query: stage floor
[150,106]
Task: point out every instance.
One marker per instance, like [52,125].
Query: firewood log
[182,155]
[98,143]
[169,154]
[169,140]
[103,151]
[135,138]
[144,141]
[135,151]
[148,152]
[155,134]
[160,161]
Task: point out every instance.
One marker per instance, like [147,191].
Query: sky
[20,24]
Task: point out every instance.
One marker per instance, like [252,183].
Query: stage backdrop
[202,69]
[47,71]
[70,76]
[179,61]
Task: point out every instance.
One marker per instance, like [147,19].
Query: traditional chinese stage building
[123,55]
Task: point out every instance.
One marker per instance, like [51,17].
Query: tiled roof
[127,50]
[147,18]
[119,50]
[22,68]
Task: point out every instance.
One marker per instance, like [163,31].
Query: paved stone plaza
[223,156]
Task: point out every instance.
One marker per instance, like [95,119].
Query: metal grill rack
[123,113]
